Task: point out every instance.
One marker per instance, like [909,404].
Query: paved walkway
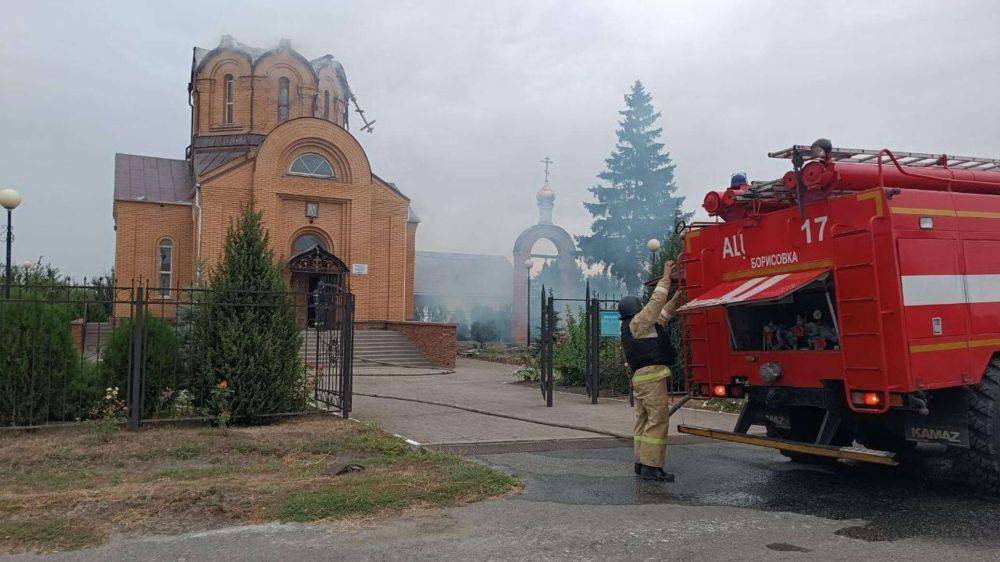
[491,387]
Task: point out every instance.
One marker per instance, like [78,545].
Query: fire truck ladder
[915,159]
[772,188]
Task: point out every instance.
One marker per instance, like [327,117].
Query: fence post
[135,400]
[543,356]
[594,313]
[587,332]
[347,369]
[551,343]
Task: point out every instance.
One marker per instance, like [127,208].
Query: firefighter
[649,352]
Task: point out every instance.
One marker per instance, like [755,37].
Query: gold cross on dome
[547,161]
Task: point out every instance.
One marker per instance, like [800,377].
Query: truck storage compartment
[804,320]
[787,311]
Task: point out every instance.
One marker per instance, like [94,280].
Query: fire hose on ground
[673,409]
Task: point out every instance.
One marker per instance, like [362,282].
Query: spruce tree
[244,330]
[639,199]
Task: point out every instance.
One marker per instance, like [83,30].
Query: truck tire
[982,458]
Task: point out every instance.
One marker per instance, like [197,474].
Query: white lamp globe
[10,198]
[653,245]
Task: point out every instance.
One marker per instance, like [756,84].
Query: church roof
[392,186]
[206,161]
[153,179]
[256,53]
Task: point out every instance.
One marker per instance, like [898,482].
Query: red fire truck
[856,299]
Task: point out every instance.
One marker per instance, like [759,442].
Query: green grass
[48,534]
[452,481]
[369,439]
[182,453]
[195,473]
[250,448]
[47,478]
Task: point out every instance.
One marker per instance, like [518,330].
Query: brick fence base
[435,340]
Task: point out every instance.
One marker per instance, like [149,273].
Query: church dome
[546,193]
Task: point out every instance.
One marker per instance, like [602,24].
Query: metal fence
[604,369]
[80,352]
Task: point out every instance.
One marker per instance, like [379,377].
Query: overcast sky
[470,97]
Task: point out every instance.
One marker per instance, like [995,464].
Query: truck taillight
[866,399]
[735,390]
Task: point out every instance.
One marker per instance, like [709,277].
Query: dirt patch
[74,487]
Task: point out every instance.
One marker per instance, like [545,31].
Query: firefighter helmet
[629,306]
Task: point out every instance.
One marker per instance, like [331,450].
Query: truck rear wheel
[982,458]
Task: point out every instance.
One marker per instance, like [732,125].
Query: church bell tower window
[282,100]
[229,98]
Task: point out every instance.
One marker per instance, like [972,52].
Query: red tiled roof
[148,178]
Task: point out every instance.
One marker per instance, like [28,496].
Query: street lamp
[527,266]
[9,199]
[653,246]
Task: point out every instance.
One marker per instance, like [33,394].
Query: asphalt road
[730,502]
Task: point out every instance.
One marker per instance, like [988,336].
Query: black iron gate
[549,329]
[600,324]
[594,322]
[329,347]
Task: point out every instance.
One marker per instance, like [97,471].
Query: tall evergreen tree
[244,330]
[639,201]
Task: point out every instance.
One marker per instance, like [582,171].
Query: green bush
[162,371]
[569,356]
[614,374]
[244,335]
[570,360]
[42,377]
[93,299]
[483,332]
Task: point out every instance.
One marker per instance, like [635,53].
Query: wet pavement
[895,503]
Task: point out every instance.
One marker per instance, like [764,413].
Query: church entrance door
[316,274]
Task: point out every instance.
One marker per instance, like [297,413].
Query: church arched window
[326,104]
[307,241]
[228,98]
[282,99]
[164,271]
[313,165]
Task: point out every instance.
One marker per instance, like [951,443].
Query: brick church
[272,124]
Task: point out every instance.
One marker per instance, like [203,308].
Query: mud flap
[748,416]
[946,421]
